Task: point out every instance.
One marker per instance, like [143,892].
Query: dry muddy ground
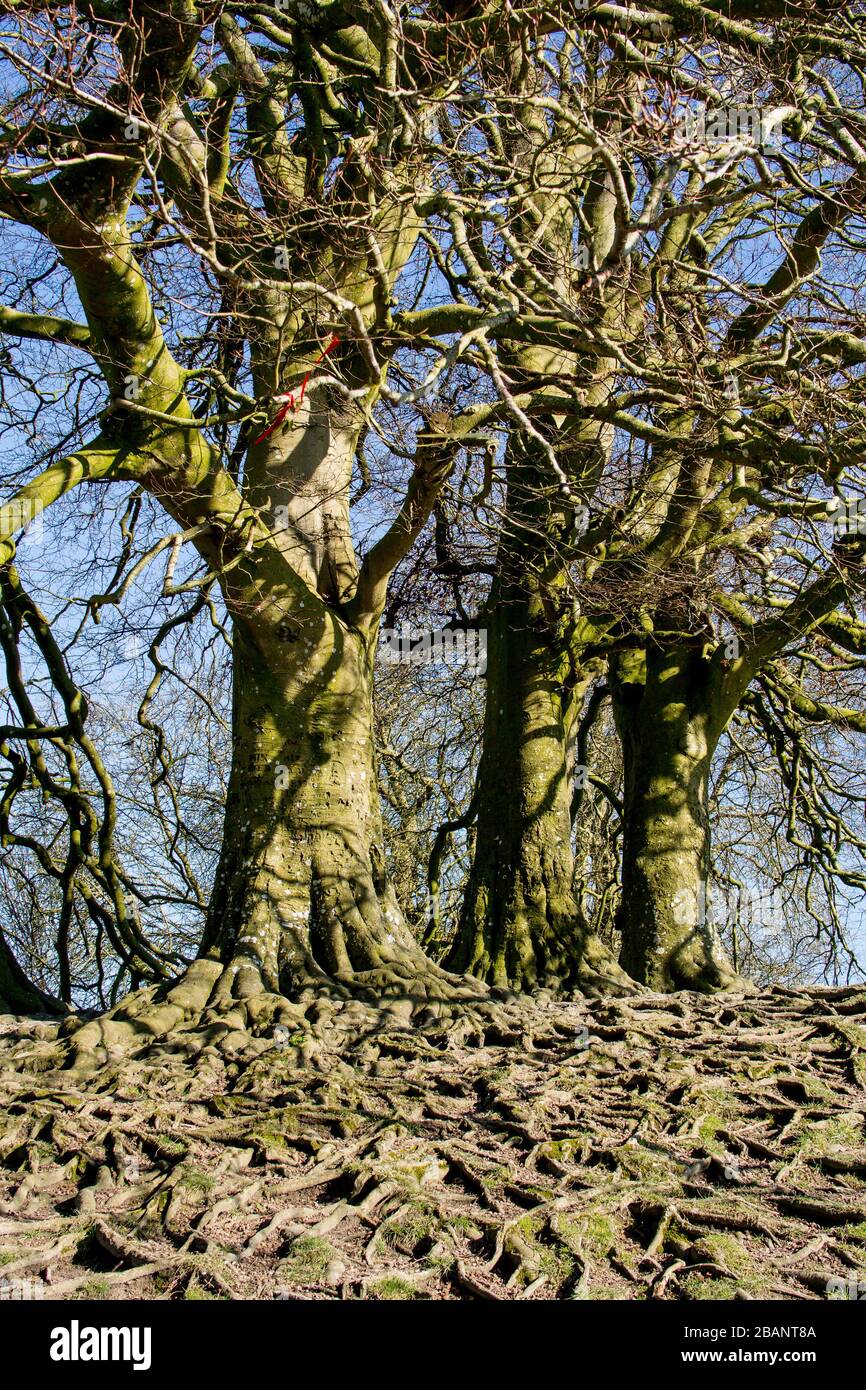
[652,1148]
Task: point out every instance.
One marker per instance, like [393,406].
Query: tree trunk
[18,994]
[301,895]
[521,926]
[664,709]
[302,904]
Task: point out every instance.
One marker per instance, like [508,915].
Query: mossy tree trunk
[18,994]
[669,715]
[519,919]
[301,893]
[521,926]
[301,896]
[301,900]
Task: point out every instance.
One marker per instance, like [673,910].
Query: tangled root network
[661,1147]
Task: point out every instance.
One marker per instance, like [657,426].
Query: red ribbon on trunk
[291,403]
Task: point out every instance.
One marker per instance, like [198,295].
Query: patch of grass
[642,1164]
[701,1286]
[599,1236]
[197,1180]
[307,1261]
[197,1293]
[733,1256]
[408,1227]
[271,1140]
[823,1136]
[725,1250]
[170,1145]
[555,1261]
[445,1261]
[496,1177]
[556,1264]
[707,1131]
[562,1150]
[464,1226]
[593,1236]
[391,1289]
[95,1288]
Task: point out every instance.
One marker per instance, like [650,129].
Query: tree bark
[521,926]
[301,893]
[302,904]
[18,994]
[665,708]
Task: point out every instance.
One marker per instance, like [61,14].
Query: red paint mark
[290,403]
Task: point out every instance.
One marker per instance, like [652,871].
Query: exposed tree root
[212,1001]
[599,975]
[699,963]
[670,1147]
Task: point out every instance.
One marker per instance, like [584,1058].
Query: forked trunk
[302,904]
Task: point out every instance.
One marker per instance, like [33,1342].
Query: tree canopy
[536,331]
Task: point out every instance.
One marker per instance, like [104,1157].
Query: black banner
[82,1339]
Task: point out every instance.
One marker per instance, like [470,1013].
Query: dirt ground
[652,1148]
